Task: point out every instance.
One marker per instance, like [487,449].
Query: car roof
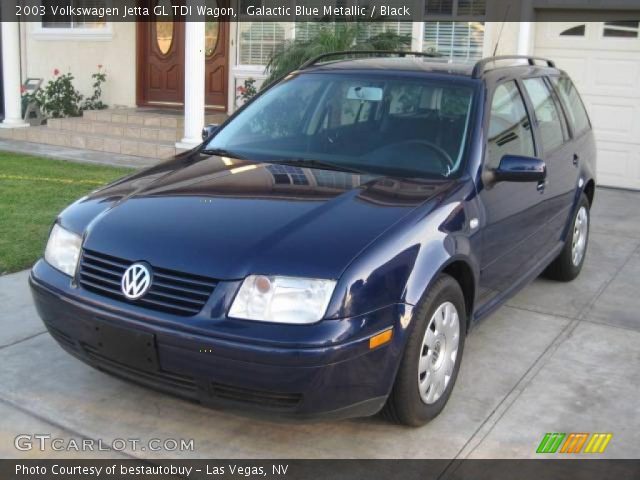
[399,64]
[490,67]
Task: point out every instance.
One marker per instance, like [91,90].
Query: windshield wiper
[303,162]
[221,152]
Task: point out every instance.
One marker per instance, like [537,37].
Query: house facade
[198,66]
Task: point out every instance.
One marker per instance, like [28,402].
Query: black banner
[583,469]
[63,11]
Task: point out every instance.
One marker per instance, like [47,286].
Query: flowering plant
[59,98]
[94,102]
[247,91]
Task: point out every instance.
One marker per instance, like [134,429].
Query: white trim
[69,33]
[417,36]
[232,55]
[525,38]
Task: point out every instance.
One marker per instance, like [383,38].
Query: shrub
[247,90]
[94,102]
[59,98]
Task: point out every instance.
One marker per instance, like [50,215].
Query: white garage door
[603,59]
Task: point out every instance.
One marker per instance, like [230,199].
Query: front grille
[262,398]
[172,292]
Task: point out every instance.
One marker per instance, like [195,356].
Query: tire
[406,404]
[568,264]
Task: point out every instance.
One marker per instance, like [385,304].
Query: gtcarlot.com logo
[574,443]
[45,441]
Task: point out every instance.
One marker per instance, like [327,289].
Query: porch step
[114,129]
[143,132]
[92,141]
[146,117]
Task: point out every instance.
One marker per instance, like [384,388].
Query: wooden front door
[161,64]
[216,72]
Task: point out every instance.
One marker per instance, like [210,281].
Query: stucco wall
[508,44]
[81,56]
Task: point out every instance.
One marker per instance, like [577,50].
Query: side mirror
[209,130]
[514,168]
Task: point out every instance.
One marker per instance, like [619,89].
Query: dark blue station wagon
[326,250]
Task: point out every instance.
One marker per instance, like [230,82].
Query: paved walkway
[557,358]
[75,154]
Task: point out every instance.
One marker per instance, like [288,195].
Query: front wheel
[568,264]
[432,356]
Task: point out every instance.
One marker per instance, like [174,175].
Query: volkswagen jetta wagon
[326,250]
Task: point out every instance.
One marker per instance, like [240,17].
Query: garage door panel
[606,71]
[616,73]
[613,121]
[618,165]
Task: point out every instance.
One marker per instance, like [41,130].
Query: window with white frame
[456,40]
[460,40]
[76,23]
[258,40]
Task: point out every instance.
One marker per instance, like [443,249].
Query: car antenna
[506,12]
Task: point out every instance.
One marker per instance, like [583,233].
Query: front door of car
[514,214]
[557,150]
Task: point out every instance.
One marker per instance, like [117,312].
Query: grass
[33,190]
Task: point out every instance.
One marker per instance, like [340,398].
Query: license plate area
[129,346]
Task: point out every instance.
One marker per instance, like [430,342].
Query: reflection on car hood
[226,218]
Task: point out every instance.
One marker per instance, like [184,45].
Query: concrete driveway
[557,358]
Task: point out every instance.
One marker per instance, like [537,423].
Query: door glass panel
[164,28]
[211,30]
[509,126]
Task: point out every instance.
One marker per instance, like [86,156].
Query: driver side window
[509,126]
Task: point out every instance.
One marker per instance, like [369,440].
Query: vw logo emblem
[136,280]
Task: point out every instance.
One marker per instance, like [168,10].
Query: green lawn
[33,190]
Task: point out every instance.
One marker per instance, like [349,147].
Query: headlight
[282,299]
[63,250]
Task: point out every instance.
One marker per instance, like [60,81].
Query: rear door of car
[515,227]
[557,149]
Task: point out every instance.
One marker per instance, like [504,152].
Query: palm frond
[329,38]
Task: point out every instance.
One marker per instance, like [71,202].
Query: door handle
[576,158]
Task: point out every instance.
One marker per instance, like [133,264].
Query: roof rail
[478,69]
[372,53]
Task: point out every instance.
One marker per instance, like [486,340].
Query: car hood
[226,218]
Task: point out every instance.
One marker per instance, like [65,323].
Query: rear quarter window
[548,114]
[572,103]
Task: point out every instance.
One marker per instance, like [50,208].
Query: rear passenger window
[572,103]
[547,113]
[509,126]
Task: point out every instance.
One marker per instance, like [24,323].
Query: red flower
[56,72]
[241,89]
[22,89]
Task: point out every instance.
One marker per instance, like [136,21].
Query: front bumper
[335,377]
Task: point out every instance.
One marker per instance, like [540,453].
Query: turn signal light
[380,339]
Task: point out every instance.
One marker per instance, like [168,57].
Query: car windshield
[389,126]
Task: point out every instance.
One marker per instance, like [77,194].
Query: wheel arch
[462,273]
[590,191]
